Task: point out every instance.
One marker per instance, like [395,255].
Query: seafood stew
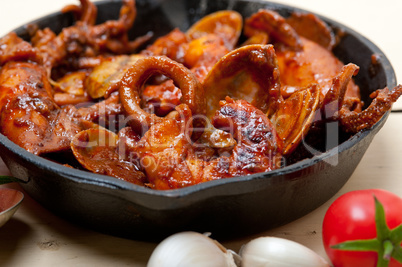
[57,187]
[191,107]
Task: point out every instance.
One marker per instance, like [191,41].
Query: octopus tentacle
[86,12]
[163,151]
[128,13]
[335,96]
[170,160]
[85,39]
[200,56]
[141,71]
[353,121]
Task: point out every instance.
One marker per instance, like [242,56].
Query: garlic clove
[279,252]
[190,249]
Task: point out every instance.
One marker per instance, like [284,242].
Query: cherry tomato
[352,217]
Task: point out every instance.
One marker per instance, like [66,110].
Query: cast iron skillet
[225,207]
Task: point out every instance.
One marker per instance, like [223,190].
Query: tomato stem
[382,262]
[388,249]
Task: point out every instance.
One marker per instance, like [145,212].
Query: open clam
[97,150]
[226,24]
[294,116]
[105,77]
[274,26]
[313,28]
[250,73]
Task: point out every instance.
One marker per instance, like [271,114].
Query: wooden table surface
[36,237]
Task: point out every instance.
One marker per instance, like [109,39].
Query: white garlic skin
[190,249]
[279,252]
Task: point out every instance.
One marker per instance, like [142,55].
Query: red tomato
[352,217]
